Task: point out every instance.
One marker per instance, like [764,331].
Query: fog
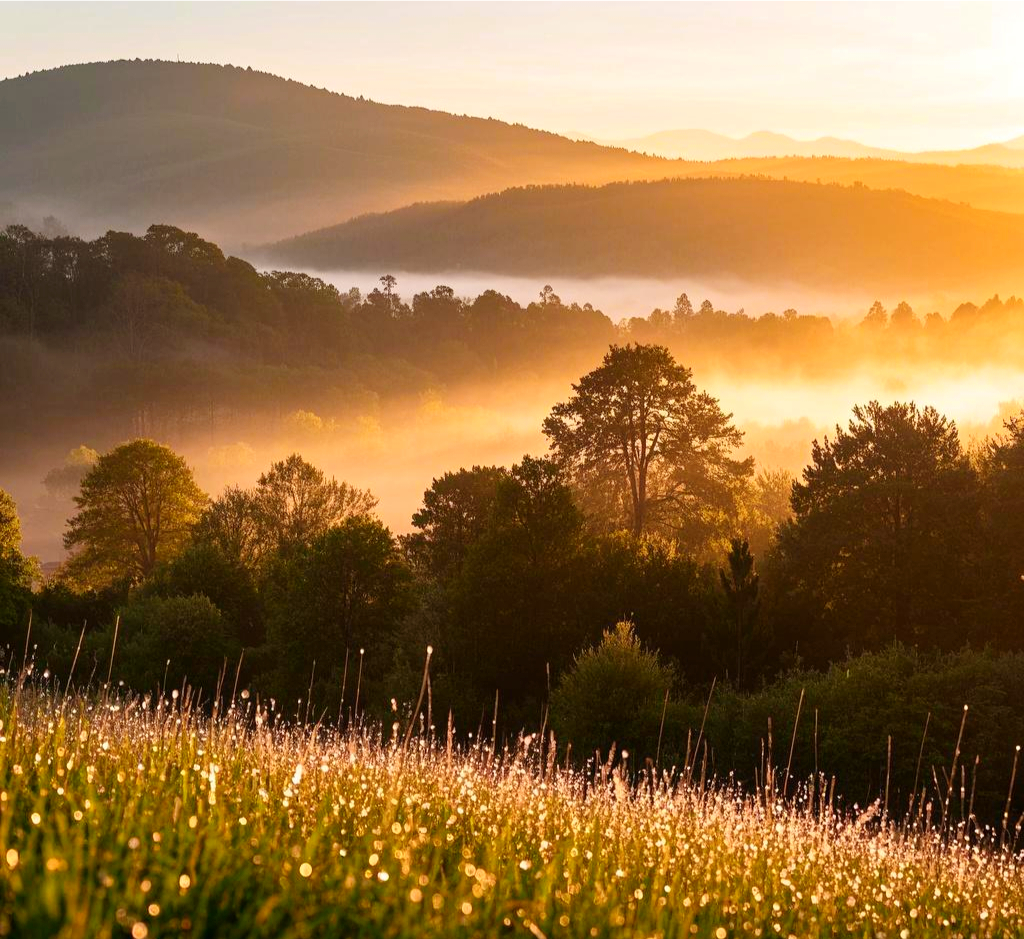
[399,448]
[622,297]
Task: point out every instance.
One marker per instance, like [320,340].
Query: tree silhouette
[884,532]
[741,586]
[637,435]
[296,502]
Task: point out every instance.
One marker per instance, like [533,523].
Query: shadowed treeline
[753,228]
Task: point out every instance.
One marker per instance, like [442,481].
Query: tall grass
[128,816]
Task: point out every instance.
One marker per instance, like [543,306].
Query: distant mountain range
[757,229]
[708,146]
[245,156]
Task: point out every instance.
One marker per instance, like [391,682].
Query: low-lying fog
[623,297]
[398,450]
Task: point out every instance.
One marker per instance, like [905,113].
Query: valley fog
[395,450]
[622,297]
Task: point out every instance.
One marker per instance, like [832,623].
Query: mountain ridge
[201,144]
[709,146]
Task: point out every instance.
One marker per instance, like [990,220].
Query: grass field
[145,818]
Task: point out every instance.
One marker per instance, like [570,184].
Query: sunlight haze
[615,72]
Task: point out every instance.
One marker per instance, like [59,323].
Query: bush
[189,632]
[614,693]
[862,702]
[205,569]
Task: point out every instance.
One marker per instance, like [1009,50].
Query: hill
[751,228]
[246,156]
[996,188]
[696,144]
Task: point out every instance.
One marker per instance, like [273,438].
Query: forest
[885,584]
[525,470]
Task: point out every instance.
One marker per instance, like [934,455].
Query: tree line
[587,589]
[83,323]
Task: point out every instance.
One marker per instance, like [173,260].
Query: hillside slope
[752,228]
[245,156]
[995,188]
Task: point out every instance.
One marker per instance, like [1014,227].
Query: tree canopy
[884,530]
[16,571]
[644,447]
[137,507]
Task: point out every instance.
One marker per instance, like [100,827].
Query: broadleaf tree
[645,449]
[137,507]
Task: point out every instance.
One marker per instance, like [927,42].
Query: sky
[902,75]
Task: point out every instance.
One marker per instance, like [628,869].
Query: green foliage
[17,573]
[189,633]
[297,503]
[203,569]
[456,510]
[862,702]
[645,449]
[512,604]
[613,694]
[885,531]
[347,590]
[671,600]
[1001,467]
[69,607]
[10,525]
[136,508]
[741,643]
[292,504]
[233,524]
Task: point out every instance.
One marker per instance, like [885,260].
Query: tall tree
[137,507]
[232,523]
[456,510]
[741,585]
[1002,472]
[885,525]
[643,445]
[347,589]
[297,502]
[514,602]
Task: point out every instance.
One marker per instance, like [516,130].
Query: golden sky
[904,75]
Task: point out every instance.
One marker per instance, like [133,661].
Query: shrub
[189,632]
[204,569]
[614,693]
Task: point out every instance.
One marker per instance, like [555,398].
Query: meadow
[148,816]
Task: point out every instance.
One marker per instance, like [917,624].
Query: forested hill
[243,155]
[751,228]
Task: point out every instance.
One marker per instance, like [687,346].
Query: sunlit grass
[145,818]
